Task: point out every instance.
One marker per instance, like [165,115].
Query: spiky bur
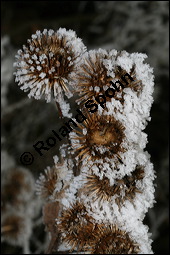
[17,186]
[112,240]
[123,189]
[98,72]
[46,63]
[55,179]
[46,183]
[100,136]
[15,228]
[76,226]
[92,75]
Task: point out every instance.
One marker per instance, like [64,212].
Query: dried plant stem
[59,110]
[54,242]
[75,168]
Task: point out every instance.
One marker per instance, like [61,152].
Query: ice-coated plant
[46,63]
[100,187]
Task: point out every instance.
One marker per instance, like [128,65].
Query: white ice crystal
[64,106]
[70,193]
[136,104]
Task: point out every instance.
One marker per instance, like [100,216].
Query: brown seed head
[112,240]
[46,62]
[124,188]
[103,137]
[93,78]
[46,183]
[77,226]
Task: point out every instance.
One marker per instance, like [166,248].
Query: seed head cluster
[104,185]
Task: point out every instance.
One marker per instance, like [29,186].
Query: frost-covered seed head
[112,240]
[76,226]
[94,77]
[46,184]
[103,138]
[123,189]
[46,63]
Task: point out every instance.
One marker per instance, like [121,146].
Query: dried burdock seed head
[98,74]
[76,226]
[17,186]
[112,240]
[45,65]
[15,227]
[123,189]
[46,184]
[99,188]
[92,76]
[100,136]
[52,184]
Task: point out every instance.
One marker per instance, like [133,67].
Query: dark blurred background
[134,26]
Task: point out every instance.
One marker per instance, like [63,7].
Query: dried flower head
[46,184]
[15,228]
[17,186]
[123,189]
[95,77]
[76,226]
[112,240]
[52,184]
[46,64]
[92,76]
[100,136]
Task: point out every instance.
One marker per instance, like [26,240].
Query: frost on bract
[103,180]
